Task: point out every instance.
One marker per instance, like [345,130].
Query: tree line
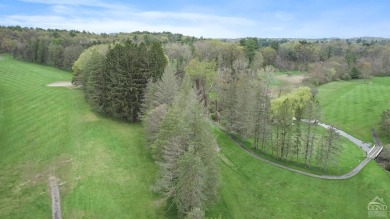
[324,59]
[283,127]
[61,48]
[182,144]
[114,77]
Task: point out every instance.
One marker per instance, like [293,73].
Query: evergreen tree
[186,152]
[94,82]
[191,182]
[129,67]
[159,96]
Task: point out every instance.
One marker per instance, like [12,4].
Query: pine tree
[191,182]
[93,82]
[129,67]
[187,154]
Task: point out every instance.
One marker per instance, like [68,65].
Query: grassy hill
[356,106]
[253,189]
[102,165]
[105,171]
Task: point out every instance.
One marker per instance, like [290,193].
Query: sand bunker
[61,84]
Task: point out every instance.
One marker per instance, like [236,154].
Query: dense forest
[324,59]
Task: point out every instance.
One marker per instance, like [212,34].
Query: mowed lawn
[103,169]
[356,106]
[253,189]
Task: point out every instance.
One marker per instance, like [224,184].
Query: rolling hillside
[105,171]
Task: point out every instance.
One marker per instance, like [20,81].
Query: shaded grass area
[356,106]
[254,189]
[103,168]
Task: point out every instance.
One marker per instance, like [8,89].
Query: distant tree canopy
[61,48]
[114,81]
[325,60]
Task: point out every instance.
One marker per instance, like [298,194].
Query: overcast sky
[207,18]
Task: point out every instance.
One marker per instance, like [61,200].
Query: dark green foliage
[114,79]
[127,69]
[385,122]
[251,45]
[355,73]
[93,81]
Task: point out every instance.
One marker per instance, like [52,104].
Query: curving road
[350,174]
[363,145]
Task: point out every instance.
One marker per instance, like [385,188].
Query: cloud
[96,16]
[94,3]
[260,20]
[110,25]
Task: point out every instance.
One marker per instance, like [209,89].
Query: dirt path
[55,198]
[345,176]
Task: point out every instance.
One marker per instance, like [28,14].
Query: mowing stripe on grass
[355,106]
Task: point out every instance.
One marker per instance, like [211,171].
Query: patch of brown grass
[291,79]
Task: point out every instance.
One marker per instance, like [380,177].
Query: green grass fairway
[102,164]
[105,171]
[354,106]
[253,189]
